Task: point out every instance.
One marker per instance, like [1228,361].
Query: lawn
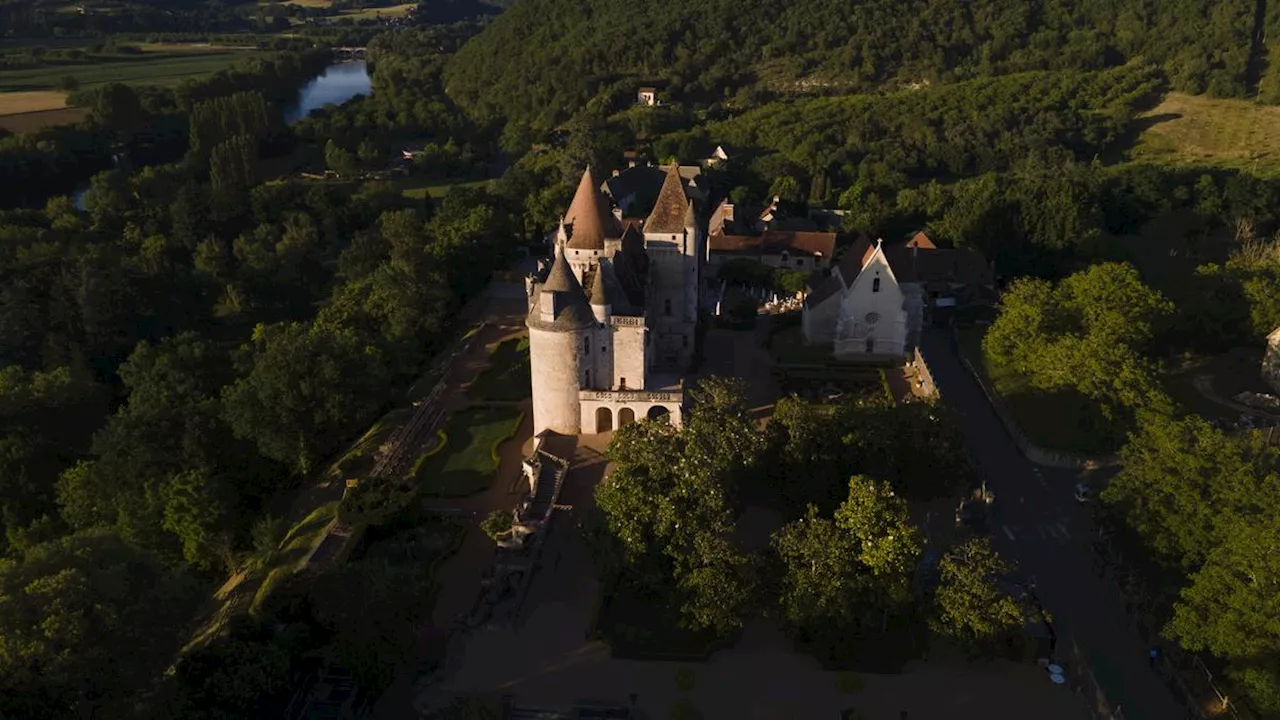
[507,377]
[419,188]
[1061,420]
[1195,129]
[149,68]
[469,459]
[379,12]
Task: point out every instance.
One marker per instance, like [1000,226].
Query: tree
[86,623]
[1232,608]
[969,607]
[304,388]
[1091,332]
[232,677]
[667,506]
[822,580]
[1184,486]
[496,524]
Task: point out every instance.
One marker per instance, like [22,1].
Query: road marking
[1008,532]
[1065,533]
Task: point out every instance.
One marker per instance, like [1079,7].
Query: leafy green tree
[496,523]
[86,623]
[969,607]
[667,505]
[1092,332]
[822,582]
[1232,609]
[1184,486]
[231,678]
[304,389]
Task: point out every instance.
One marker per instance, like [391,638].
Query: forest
[178,355]
[544,59]
[150,403]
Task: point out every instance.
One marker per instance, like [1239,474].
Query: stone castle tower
[612,317]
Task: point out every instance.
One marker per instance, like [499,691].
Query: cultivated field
[158,68]
[33,121]
[33,101]
[380,12]
[1196,129]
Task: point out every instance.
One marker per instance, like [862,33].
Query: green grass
[1060,420]
[469,461]
[507,377]
[148,69]
[419,188]
[1194,129]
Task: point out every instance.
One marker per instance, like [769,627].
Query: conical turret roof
[668,214]
[561,277]
[598,294]
[590,216]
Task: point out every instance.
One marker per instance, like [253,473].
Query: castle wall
[605,411]
[599,358]
[629,353]
[674,297]
[556,374]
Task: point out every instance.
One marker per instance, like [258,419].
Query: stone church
[612,316]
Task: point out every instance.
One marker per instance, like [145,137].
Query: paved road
[1038,524]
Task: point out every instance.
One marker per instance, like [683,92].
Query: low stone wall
[1033,452]
[921,364]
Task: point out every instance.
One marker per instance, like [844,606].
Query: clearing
[1192,129]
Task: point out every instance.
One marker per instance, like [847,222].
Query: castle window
[586,344]
[666,307]
[875,285]
[622,383]
[586,378]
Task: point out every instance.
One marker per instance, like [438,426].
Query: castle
[612,317]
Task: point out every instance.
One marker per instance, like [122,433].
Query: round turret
[560,324]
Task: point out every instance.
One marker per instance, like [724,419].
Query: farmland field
[1196,129]
[158,69]
[33,121]
[33,101]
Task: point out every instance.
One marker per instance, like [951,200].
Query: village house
[874,303]
[799,250]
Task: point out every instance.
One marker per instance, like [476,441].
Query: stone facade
[616,304]
[872,323]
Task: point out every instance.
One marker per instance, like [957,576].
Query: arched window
[875,285]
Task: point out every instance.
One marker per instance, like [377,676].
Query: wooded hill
[541,59]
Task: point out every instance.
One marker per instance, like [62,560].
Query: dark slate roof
[598,294]
[827,288]
[922,265]
[589,216]
[573,313]
[561,277]
[668,214]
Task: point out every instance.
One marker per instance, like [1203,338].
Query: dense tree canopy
[542,59]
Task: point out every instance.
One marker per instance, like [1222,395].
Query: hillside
[542,58]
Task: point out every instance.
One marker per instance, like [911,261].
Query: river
[337,84]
